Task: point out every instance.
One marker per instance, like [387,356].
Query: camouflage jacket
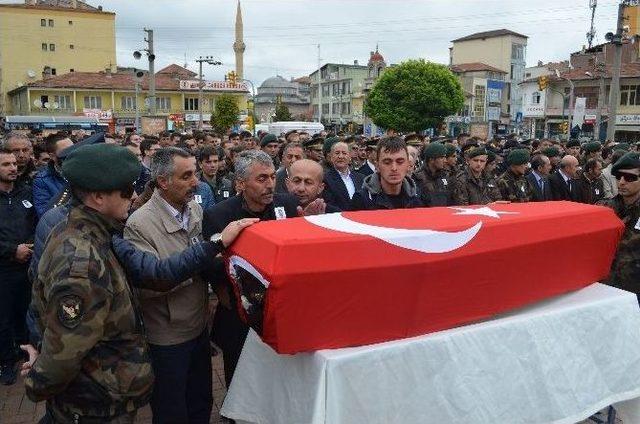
[94,360]
[625,270]
[434,189]
[514,188]
[470,190]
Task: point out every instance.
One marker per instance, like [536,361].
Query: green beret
[451,149]
[101,167]
[573,143]
[491,156]
[518,157]
[477,151]
[328,144]
[592,147]
[317,141]
[551,152]
[268,138]
[630,160]
[622,146]
[434,150]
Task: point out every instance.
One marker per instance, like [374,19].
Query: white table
[559,362]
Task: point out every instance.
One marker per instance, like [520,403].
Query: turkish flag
[357,278]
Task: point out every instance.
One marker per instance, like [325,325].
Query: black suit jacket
[538,196]
[560,189]
[365,170]
[335,192]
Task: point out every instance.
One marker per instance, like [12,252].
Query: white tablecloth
[559,361]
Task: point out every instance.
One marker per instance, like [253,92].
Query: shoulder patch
[80,260]
[70,311]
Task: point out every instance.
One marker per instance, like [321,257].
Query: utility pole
[616,41]
[201,60]
[319,88]
[152,74]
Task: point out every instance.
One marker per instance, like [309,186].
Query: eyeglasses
[630,178]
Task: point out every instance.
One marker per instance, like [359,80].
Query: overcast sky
[282,35]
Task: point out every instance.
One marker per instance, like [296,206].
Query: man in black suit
[340,182]
[562,181]
[369,167]
[538,178]
[255,179]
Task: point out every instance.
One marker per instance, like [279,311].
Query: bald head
[305,180]
[569,165]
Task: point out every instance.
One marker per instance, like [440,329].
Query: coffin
[357,278]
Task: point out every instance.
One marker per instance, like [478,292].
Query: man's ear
[162,182]
[239,185]
[320,188]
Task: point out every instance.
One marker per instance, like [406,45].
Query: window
[70,22]
[53,71]
[71,70]
[536,98]
[163,103]
[44,47]
[190,104]
[335,89]
[64,102]
[325,90]
[517,52]
[346,87]
[71,46]
[43,22]
[325,108]
[478,102]
[346,108]
[50,22]
[128,102]
[629,95]
[52,47]
[324,72]
[92,102]
[44,100]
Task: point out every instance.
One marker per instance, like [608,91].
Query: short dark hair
[51,140]
[165,134]
[208,151]
[462,135]
[537,161]
[591,164]
[391,145]
[234,134]
[38,149]
[129,143]
[176,134]
[162,161]
[5,151]
[617,154]
[145,145]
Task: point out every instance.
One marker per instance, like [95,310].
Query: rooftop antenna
[592,32]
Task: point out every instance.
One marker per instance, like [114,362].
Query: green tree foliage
[282,111]
[226,113]
[413,96]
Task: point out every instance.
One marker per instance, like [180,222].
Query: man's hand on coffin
[317,207]
[234,228]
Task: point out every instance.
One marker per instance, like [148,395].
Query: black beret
[434,150]
[592,147]
[101,167]
[573,143]
[518,157]
[328,144]
[316,141]
[268,138]
[478,151]
[630,160]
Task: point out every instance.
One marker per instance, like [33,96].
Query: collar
[344,174]
[537,176]
[102,222]
[168,214]
[251,213]
[565,177]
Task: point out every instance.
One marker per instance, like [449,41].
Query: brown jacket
[181,314]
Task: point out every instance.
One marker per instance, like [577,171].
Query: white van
[279,128]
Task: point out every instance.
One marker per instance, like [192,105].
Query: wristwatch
[217,241]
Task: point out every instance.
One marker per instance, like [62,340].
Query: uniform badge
[27,204]
[637,227]
[597,192]
[225,194]
[195,240]
[70,311]
[280,213]
[444,181]
[198,198]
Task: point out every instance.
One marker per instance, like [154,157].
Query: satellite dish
[56,105]
[46,105]
[137,55]
[37,103]
[31,73]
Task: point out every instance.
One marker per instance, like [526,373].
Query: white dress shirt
[348,182]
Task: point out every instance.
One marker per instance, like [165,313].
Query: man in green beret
[434,183]
[555,157]
[451,162]
[313,149]
[592,150]
[94,362]
[572,148]
[625,270]
[589,185]
[513,184]
[473,186]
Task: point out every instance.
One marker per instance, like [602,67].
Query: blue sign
[519,117]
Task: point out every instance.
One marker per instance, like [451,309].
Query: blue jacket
[47,184]
[204,196]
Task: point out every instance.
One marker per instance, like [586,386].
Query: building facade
[114,98]
[52,37]
[502,49]
[290,93]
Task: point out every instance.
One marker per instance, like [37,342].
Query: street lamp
[570,114]
[152,76]
[211,61]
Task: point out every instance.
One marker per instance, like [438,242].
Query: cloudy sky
[282,35]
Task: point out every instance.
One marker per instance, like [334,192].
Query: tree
[226,113]
[413,96]
[282,111]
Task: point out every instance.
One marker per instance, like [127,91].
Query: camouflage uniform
[625,270]
[514,188]
[470,190]
[94,363]
[434,189]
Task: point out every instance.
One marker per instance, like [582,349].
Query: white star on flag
[484,211]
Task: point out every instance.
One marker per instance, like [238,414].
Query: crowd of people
[109,246]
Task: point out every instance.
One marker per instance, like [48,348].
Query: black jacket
[372,197]
[17,224]
[539,196]
[365,169]
[335,192]
[559,189]
[281,178]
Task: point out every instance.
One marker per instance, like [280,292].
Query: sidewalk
[16,408]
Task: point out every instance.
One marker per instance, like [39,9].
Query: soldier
[589,186]
[94,363]
[313,148]
[513,185]
[473,186]
[434,184]
[625,270]
[555,157]
[572,148]
[451,162]
[592,150]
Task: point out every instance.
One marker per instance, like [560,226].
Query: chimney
[355,62]
[108,71]
[74,4]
